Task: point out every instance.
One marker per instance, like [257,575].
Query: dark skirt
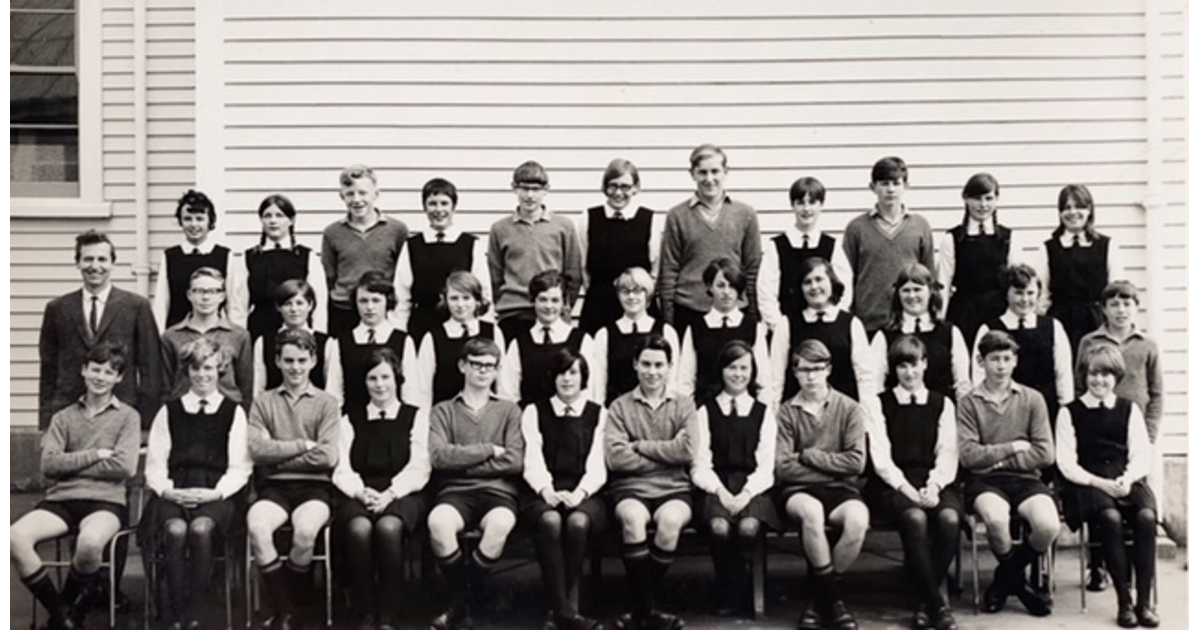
[1081,503]
[532,508]
[760,508]
[410,509]
[159,510]
[968,310]
[887,504]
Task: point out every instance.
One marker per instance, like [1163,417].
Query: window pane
[43,99]
[43,155]
[41,4]
[41,39]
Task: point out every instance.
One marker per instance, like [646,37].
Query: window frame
[89,70]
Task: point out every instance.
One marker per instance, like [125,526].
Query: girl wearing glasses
[206,293]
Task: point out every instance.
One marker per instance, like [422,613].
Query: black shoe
[994,598]
[625,622]
[444,621]
[1097,580]
[1036,601]
[573,622]
[1126,618]
[943,619]
[810,619]
[841,619]
[1147,618]
[659,620]
[921,620]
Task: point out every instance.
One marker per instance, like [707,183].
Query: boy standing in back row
[885,240]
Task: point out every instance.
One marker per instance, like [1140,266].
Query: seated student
[206,294]
[564,465]
[615,342]
[853,371]
[523,373]
[374,297]
[197,217]
[698,374]
[1104,454]
[476,450]
[820,454]
[1044,355]
[89,451]
[916,305]
[779,295]
[735,466]
[197,465]
[437,377]
[1004,442]
[431,256]
[648,446]
[383,464]
[295,301]
[293,438]
[914,451]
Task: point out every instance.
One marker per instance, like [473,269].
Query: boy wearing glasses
[206,293]
[530,240]
[477,452]
[820,454]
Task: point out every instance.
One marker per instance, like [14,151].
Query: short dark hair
[617,169]
[1019,276]
[299,338]
[479,347]
[905,349]
[93,237]
[110,353]
[545,280]
[196,202]
[385,356]
[837,287]
[997,340]
[530,172]
[439,186]
[376,282]
[729,268]
[1122,289]
[888,169]
[562,361]
[285,206]
[654,341]
[289,289]
[810,187]
[813,351]
[731,352]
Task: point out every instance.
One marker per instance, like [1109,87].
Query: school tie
[633,328]
[203,411]
[724,321]
[371,336]
[382,414]
[1075,242]
[1021,324]
[545,335]
[465,332]
[805,243]
[568,412]
[94,316]
[912,399]
[441,236]
[195,251]
[278,245]
[618,216]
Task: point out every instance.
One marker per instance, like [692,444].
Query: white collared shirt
[689,357]
[421,392]
[412,478]
[705,477]
[333,366]
[508,382]
[601,370]
[866,375]
[653,247]
[404,278]
[408,358]
[960,358]
[537,473]
[770,270]
[375,412]
[945,467]
[158,447]
[1137,438]
[1064,380]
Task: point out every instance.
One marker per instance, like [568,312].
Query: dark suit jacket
[65,341]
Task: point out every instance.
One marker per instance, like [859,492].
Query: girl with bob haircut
[734,467]
[916,304]
[564,465]
[437,377]
[699,374]
[197,467]
[1075,264]
[841,332]
[382,469]
[374,297]
[971,256]
[617,341]
[295,302]
[197,217]
[615,236]
[1104,453]
[276,259]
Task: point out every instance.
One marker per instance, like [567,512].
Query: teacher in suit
[94,314]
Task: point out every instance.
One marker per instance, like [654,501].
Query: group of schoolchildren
[750,395]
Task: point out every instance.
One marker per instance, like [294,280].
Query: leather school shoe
[659,620]
[1097,580]
[810,619]
[921,620]
[1147,618]
[840,617]
[1126,618]
[1036,601]
[943,619]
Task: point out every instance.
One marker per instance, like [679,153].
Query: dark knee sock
[46,593]
[917,558]
[76,587]
[389,547]
[201,562]
[947,538]
[300,582]
[454,569]
[639,572]
[360,564]
[549,547]
[575,545]
[1145,546]
[277,582]
[824,590]
[175,574]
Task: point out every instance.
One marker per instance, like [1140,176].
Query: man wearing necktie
[98,313]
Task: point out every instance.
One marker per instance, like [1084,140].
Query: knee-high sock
[660,561]
[1107,526]
[454,568]
[1145,546]
[917,557]
[46,593]
[575,544]
[277,582]
[640,575]
[75,588]
[390,548]
[360,565]
[947,537]
[201,562]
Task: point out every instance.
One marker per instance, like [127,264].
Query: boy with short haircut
[530,240]
[477,452]
[431,255]
[197,217]
[820,454]
[707,226]
[778,295]
[1044,352]
[1004,442]
[365,240]
[293,439]
[879,243]
[89,451]
[649,443]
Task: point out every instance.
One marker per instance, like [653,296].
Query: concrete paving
[875,590]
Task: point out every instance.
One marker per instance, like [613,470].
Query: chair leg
[1084,549]
[974,566]
[758,571]
[328,580]
[249,584]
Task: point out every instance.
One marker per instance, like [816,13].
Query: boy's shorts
[1012,488]
[290,495]
[831,497]
[473,506]
[74,511]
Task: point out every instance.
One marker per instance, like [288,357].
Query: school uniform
[987,427]
[524,373]
[1104,439]
[1143,380]
[698,374]
[949,363]
[1044,360]
[261,269]
[564,451]
[355,350]
[466,474]
[519,248]
[913,441]
[437,377]
[286,472]
[1076,271]
[970,259]
[326,374]
[852,372]
[877,251]
[421,273]
[383,449]
[635,236]
[779,294]
[648,447]
[236,383]
[347,252]
[175,269]
[612,373]
[821,454]
[735,450]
